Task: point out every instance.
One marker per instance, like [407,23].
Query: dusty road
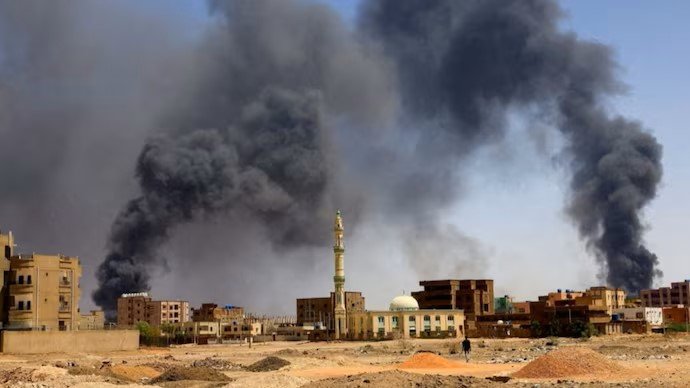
[645,361]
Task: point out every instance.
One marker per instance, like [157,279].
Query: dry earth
[631,361]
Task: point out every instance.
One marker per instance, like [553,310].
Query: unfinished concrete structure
[322,310]
[677,294]
[209,312]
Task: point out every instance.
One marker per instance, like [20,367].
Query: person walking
[466,348]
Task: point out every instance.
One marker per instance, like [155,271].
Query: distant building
[139,307]
[209,312]
[132,308]
[44,292]
[609,298]
[474,296]
[676,315]
[552,297]
[168,311]
[95,320]
[652,315]
[405,319]
[322,310]
[677,294]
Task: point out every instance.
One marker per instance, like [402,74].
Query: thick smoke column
[251,141]
[283,89]
[465,64]
[268,164]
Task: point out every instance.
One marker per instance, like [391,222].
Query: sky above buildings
[514,208]
[512,204]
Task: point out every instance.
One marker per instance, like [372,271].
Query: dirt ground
[645,361]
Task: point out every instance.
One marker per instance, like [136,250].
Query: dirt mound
[426,360]
[217,364]
[178,373]
[400,379]
[134,372]
[566,362]
[288,352]
[268,364]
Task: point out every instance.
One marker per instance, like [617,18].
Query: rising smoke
[467,63]
[282,112]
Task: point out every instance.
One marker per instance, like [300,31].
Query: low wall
[30,342]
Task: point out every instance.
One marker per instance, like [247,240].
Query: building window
[451,318]
[28,305]
[394,322]
[20,305]
[28,279]
[20,279]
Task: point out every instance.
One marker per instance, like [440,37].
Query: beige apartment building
[610,298]
[168,311]
[139,307]
[44,292]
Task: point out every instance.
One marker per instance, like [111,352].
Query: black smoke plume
[466,64]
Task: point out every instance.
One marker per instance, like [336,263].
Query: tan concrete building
[44,292]
[404,319]
[610,298]
[139,307]
[315,310]
[168,311]
[6,251]
[94,320]
[212,312]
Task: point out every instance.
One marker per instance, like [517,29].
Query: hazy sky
[514,207]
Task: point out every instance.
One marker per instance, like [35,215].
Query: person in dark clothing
[466,348]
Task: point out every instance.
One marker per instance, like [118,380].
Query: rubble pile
[268,364]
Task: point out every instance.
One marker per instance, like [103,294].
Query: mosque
[403,319]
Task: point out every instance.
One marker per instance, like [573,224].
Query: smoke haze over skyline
[273,114]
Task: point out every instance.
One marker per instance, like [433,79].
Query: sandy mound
[134,372]
[400,379]
[268,364]
[427,361]
[178,373]
[217,364]
[268,380]
[566,362]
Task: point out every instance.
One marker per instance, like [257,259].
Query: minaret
[339,278]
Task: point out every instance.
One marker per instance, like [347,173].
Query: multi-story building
[677,294]
[132,308]
[610,298]
[139,307]
[437,294]
[209,312]
[167,311]
[475,297]
[313,310]
[44,292]
[6,251]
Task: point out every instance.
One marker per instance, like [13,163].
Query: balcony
[65,308]
[21,288]
[65,282]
